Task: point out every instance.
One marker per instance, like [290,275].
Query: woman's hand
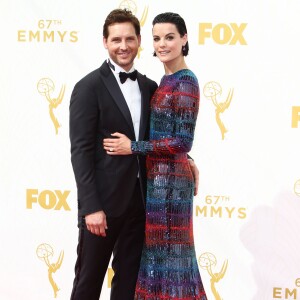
[121,145]
[195,172]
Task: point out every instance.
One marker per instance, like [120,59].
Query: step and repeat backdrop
[247,144]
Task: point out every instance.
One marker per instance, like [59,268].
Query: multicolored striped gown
[169,267]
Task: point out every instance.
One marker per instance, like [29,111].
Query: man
[111,190]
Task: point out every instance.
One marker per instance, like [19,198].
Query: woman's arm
[186,104]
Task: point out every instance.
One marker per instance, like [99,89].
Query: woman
[168,267]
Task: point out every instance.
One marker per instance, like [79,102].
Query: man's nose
[123,45]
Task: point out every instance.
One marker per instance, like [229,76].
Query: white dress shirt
[132,95]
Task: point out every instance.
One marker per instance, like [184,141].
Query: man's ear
[105,42]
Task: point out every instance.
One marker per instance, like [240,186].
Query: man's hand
[96,223]
[195,172]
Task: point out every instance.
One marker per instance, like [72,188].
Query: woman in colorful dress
[168,268]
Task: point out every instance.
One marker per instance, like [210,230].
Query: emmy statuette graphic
[211,90]
[44,252]
[131,5]
[297,187]
[45,87]
[207,261]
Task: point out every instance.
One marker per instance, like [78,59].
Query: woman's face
[167,42]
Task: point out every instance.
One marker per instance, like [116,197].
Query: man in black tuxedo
[111,189]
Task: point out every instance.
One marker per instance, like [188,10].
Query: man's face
[122,44]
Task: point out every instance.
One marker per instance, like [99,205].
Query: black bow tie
[124,76]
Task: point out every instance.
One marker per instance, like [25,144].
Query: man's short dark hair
[121,16]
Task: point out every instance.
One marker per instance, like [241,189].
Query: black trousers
[124,239]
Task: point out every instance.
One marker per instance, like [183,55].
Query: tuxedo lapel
[145,105]
[115,91]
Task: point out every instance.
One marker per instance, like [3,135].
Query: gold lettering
[74,37]
[217,210]
[290,293]
[216,34]
[33,35]
[30,193]
[208,199]
[21,36]
[242,213]
[238,34]
[295,116]
[203,33]
[44,195]
[200,211]
[230,211]
[277,293]
[41,24]
[61,35]
[110,275]
[49,35]
[62,200]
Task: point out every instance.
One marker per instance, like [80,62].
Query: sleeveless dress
[168,268]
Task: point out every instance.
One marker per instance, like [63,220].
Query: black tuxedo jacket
[97,109]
